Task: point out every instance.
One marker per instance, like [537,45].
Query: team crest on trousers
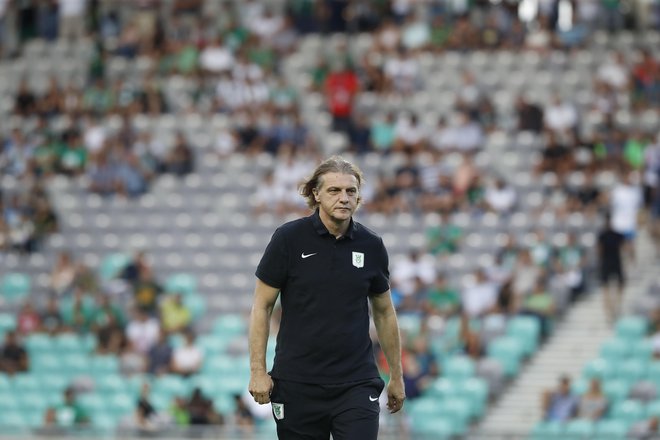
[358,259]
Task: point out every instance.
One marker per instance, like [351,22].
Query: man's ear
[316,194]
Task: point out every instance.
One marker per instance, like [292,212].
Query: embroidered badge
[278,410]
[358,259]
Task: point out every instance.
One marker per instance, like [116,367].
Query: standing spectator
[560,404]
[13,357]
[341,87]
[72,19]
[51,318]
[610,245]
[625,203]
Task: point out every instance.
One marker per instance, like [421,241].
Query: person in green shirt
[444,238]
[541,305]
[441,299]
[70,413]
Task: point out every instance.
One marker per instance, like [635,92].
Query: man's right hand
[261,384]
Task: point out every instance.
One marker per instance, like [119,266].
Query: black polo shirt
[324,287]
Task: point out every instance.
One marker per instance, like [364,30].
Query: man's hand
[396,394]
[260,387]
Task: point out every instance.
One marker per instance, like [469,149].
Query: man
[13,357]
[610,245]
[324,379]
[560,404]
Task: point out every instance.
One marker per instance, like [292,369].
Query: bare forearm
[387,328]
[258,337]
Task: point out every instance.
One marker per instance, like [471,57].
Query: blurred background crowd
[116,97]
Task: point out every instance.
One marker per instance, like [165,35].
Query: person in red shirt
[341,86]
[28,320]
[646,77]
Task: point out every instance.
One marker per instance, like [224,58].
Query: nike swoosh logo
[308,255]
[373,399]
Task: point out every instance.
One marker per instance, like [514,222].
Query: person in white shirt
[479,295]
[187,359]
[614,72]
[560,116]
[72,20]
[216,57]
[500,197]
[142,331]
[625,203]
[414,266]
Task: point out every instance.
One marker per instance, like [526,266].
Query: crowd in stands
[228,57]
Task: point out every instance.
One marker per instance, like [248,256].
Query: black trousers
[305,411]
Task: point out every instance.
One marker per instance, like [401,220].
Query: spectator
[13,357]
[201,410]
[479,295]
[51,318]
[180,160]
[69,414]
[132,361]
[72,19]
[540,304]
[416,265]
[647,429]
[500,197]
[625,203]
[28,320]
[175,316]
[441,299]
[147,291]
[142,331]
[187,359]
[530,116]
[63,274]
[610,245]
[341,87]
[159,356]
[560,117]
[560,404]
[593,404]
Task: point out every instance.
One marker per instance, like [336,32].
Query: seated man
[560,404]
[13,357]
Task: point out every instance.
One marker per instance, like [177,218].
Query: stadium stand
[151,148]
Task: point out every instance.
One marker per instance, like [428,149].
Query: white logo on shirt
[308,255]
[358,259]
[278,410]
[373,399]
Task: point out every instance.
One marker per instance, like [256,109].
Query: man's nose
[344,196]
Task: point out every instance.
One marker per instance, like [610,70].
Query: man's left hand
[396,394]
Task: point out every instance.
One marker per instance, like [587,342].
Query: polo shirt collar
[322,230]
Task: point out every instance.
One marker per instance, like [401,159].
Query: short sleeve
[273,267]
[380,283]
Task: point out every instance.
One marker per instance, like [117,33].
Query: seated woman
[593,403]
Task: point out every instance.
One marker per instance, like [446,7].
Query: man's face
[337,196]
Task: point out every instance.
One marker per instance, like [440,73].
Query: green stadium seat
[615,349]
[104,364]
[93,402]
[527,329]
[233,383]
[171,384]
[460,411]
[230,325]
[212,344]
[616,390]
[110,383]
[111,265]
[548,431]
[579,429]
[103,421]
[15,287]
[476,390]
[45,362]
[76,364]
[26,383]
[5,384]
[653,409]
[459,367]
[69,343]
[206,382]
[121,404]
[220,364]
[632,370]
[611,429]
[444,387]
[509,352]
[631,328]
[7,322]
[54,383]
[39,343]
[183,283]
[433,427]
[579,386]
[629,411]
[600,368]
[8,402]
[410,323]
[32,401]
[13,419]
[161,400]
[642,350]
[196,304]
[653,372]
[224,403]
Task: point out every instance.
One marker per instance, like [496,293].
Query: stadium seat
[459,367]
[616,390]
[196,304]
[7,322]
[642,350]
[653,372]
[509,352]
[476,390]
[25,383]
[111,265]
[527,329]
[632,370]
[579,429]
[183,283]
[611,429]
[230,325]
[14,287]
[629,411]
[631,328]
[615,349]
[653,409]
[427,417]
[104,364]
[548,431]
[599,368]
